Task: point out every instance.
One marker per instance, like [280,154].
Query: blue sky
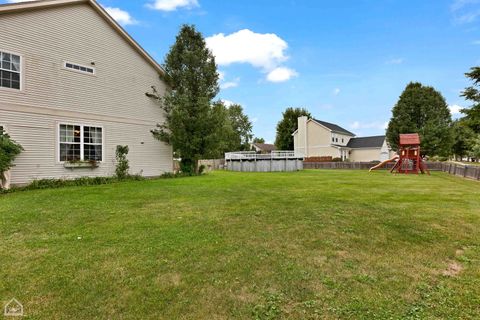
[345,61]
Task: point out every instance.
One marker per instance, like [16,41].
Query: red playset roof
[409,139]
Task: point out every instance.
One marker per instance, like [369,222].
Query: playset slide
[381,164]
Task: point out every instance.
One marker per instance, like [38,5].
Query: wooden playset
[409,158]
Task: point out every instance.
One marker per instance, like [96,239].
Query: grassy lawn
[306,245]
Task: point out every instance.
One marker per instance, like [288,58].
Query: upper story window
[10,70]
[79,68]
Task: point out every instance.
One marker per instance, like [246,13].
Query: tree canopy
[472,114]
[258,140]
[464,139]
[421,109]
[241,128]
[287,126]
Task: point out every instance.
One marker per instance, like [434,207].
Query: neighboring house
[72,88]
[315,138]
[263,147]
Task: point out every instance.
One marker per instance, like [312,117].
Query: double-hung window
[10,70]
[80,143]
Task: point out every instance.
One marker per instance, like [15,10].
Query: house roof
[265,146]
[409,139]
[43,4]
[366,142]
[334,127]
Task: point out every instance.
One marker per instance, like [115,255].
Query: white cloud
[465,11]
[455,109]
[396,61]
[265,51]
[121,16]
[244,46]
[281,74]
[336,91]
[224,84]
[172,5]
[228,103]
[230,84]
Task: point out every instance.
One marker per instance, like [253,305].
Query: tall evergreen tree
[422,109]
[472,93]
[193,122]
[287,126]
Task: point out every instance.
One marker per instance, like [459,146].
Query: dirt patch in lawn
[453,269]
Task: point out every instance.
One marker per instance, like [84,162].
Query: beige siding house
[72,88]
[316,138]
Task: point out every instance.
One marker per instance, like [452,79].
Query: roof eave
[39,4]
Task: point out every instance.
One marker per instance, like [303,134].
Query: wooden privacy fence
[212,164]
[465,171]
[434,166]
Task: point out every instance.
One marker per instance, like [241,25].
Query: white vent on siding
[79,68]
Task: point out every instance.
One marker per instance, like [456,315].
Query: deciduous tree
[422,109]
[287,126]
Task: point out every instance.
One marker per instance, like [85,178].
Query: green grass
[306,245]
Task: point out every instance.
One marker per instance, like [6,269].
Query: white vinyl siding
[113,99]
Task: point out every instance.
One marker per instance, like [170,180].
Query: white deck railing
[252,155]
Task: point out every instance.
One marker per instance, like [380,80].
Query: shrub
[9,150]
[62,183]
[337,160]
[121,171]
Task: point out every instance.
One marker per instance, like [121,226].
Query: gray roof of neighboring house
[265,146]
[334,127]
[366,142]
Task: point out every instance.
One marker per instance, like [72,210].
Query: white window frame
[5,129]
[82,139]
[21,72]
[64,66]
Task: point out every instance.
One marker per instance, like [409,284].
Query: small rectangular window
[10,70]
[79,68]
[80,143]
